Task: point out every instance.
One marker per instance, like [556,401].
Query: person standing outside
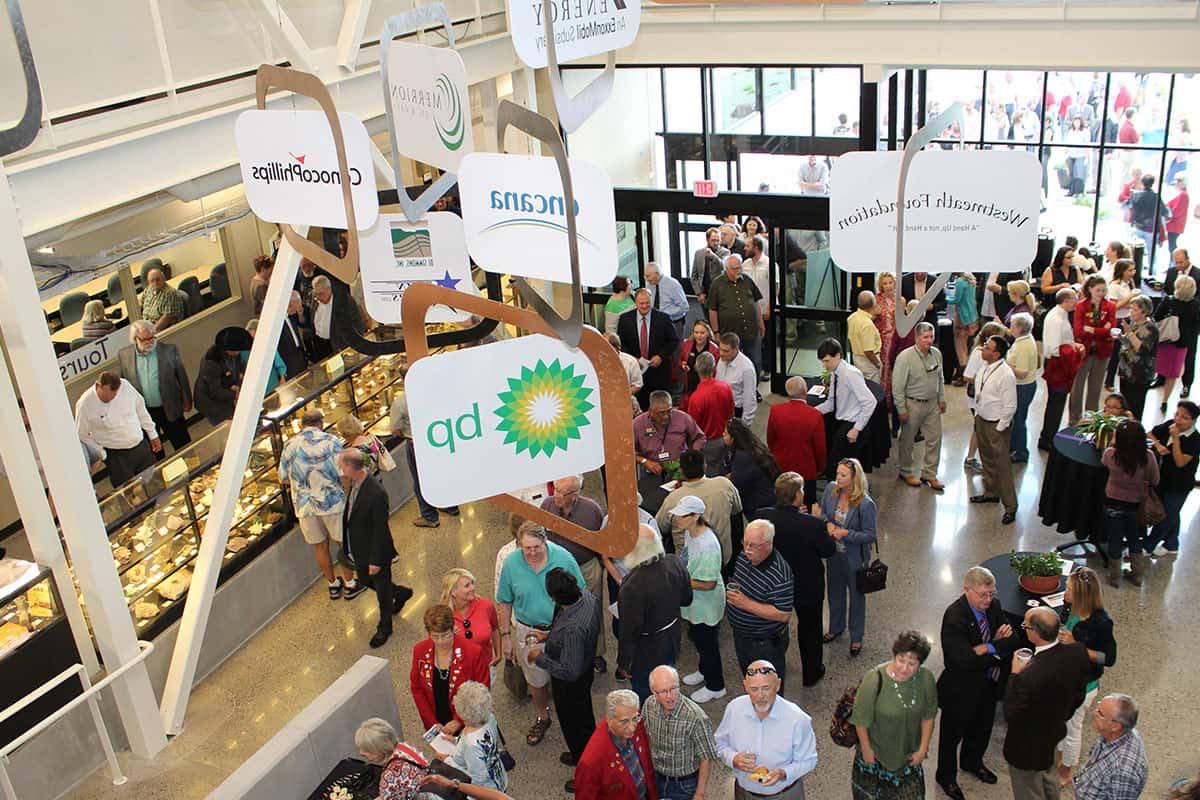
[814,177]
[682,746]
[701,555]
[1023,359]
[919,394]
[741,375]
[767,740]
[1116,768]
[1177,444]
[156,371]
[759,595]
[649,336]
[850,401]
[995,406]
[711,405]
[733,308]
[401,426]
[796,437]
[112,415]
[866,343]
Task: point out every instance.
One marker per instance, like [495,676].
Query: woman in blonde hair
[1023,300]
[1172,355]
[1084,621]
[850,518]
[96,324]
[350,428]
[885,321]
[966,321]
[474,616]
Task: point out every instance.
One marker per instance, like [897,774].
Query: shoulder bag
[384,459]
[439,767]
[1150,510]
[1168,326]
[872,577]
[841,729]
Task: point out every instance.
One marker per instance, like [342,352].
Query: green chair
[115,294]
[218,283]
[152,263]
[80,342]
[70,307]
[191,287]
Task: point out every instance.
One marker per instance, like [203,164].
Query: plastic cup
[733,586]
[1024,654]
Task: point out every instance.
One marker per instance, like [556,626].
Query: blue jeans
[1167,531]
[676,788]
[841,584]
[753,350]
[428,512]
[1149,240]
[1123,531]
[1018,441]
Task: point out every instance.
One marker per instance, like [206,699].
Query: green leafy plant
[1099,429]
[1036,565]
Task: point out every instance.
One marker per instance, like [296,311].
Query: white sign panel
[290,168]
[982,202]
[581,28]
[497,418]
[92,355]
[431,111]
[516,222]
[397,253]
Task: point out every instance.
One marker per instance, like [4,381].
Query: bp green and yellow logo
[448,113]
[544,408]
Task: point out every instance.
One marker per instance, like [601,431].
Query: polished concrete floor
[927,540]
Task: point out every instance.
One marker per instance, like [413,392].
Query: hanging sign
[290,168]
[976,206]
[704,188]
[493,419]
[431,111]
[397,253]
[582,28]
[515,217]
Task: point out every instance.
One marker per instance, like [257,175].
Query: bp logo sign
[544,408]
[497,418]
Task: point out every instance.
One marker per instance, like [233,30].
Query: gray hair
[353,458]
[1185,288]
[1045,624]
[1064,294]
[376,736]
[660,397]
[312,418]
[979,576]
[1143,302]
[706,365]
[768,528]
[923,327]
[531,529]
[866,299]
[651,265]
[322,282]
[140,326]
[1127,710]
[1023,322]
[796,387]
[665,669]
[646,548]
[473,702]
[252,327]
[734,258]
[642,291]
[620,698]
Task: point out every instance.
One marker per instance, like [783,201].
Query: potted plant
[1099,429]
[1037,573]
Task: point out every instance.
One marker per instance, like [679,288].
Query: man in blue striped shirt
[759,597]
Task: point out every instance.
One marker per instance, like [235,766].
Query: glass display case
[28,603]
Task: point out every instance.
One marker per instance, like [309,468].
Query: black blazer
[964,679]
[1095,633]
[1039,702]
[1172,274]
[295,360]
[908,290]
[662,340]
[366,529]
[803,542]
[649,600]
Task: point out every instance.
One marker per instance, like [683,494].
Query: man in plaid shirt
[1116,769]
[681,738]
[162,304]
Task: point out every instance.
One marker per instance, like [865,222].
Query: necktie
[834,383]
[655,292]
[985,630]
[644,339]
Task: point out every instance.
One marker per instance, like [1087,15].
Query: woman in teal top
[278,372]
[620,302]
[894,712]
[702,556]
[966,321]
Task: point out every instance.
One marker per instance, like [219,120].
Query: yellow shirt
[1023,356]
[864,336]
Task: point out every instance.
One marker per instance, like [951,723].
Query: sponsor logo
[529,203]
[411,244]
[543,409]
[441,105]
[279,172]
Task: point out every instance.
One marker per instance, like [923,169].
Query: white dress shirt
[760,272]
[996,394]
[849,398]
[673,300]
[321,319]
[1056,331]
[116,425]
[783,740]
[633,371]
[743,380]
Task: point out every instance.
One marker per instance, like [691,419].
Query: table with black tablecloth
[1013,600]
[875,439]
[1072,498]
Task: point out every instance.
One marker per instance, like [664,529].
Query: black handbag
[872,577]
[352,776]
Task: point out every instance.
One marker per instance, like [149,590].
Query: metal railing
[88,696]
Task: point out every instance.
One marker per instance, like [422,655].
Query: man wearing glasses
[766,740]
[616,764]
[977,644]
[919,392]
[681,738]
[760,596]
[156,370]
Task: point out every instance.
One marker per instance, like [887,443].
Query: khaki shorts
[535,676]
[319,527]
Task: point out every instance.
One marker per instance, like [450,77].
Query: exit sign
[704,188]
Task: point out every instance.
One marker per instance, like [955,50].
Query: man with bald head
[648,605]
[681,738]
[796,437]
[865,341]
[760,598]
[1043,693]
[162,304]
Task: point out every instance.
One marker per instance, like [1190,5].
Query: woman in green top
[893,713]
[966,321]
[702,557]
[1086,622]
[620,302]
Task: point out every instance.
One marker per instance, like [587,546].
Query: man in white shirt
[851,402]
[633,371]
[814,177]
[757,267]
[1062,355]
[667,295]
[735,369]
[112,415]
[322,317]
[995,405]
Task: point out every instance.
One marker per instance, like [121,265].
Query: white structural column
[272,13]
[50,417]
[354,23]
[242,430]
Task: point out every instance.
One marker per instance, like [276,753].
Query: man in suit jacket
[976,643]
[1042,695]
[803,542]
[659,347]
[796,436]
[913,287]
[616,763]
[170,398]
[291,340]
[369,540]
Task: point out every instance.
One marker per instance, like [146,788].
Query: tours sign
[581,28]
[488,419]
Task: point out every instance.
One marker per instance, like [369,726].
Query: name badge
[664,456]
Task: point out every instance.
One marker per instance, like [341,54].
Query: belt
[535,627]
[666,627]
[781,791]
[679,779]
[989,421]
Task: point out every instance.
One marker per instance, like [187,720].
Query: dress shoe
[570,787]
[401,596]
[982,773]
[379,639]
[1009,518]
[984,498]
[567,759]
[421,522]
[454,512]
[911,480]
[934,484]
[600,665]
[820,674]
[952,791]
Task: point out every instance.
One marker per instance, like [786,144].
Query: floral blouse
[1138,365]
[400,779]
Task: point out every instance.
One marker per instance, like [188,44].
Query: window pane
[683,100]
[837,93]
[1138,104]
[1069,182]
[1121,176]
[622,136]
[787,95]
[1185,111]
[735,105]
[784,174]
[1070,95]
[1014,103]
[944,87]
[1181,227]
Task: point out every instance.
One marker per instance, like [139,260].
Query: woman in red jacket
[1095,318]
[701,341]
[442,663]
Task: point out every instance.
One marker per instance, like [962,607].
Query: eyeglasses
[146,339]
[761,671]
[634,720]
[666,691]
[1025,627]
[467,632]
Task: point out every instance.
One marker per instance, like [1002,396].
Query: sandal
[537,731]
[831,637]
[855,650]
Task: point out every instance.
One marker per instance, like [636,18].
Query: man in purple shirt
[661,434]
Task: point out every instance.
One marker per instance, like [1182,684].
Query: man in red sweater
[1179,209]
[711,406]
[796,437]
[616,763]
